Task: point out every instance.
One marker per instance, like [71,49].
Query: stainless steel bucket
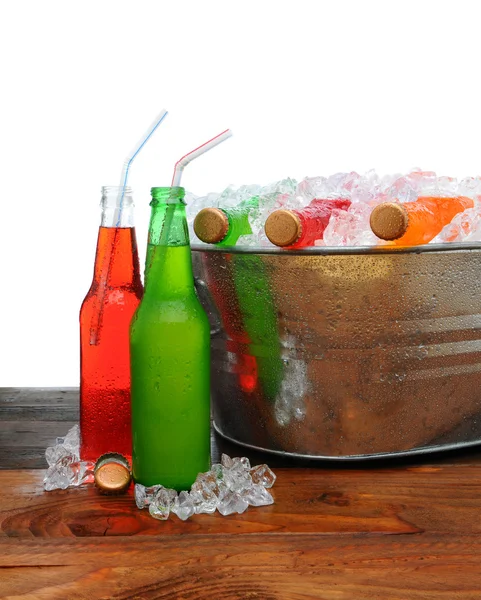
[343,353]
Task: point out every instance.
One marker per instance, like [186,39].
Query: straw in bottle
[178,170]
[184,161]
[107,266]
[187,158]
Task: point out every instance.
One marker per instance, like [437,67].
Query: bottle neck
[168,267]
[239,221]
[168,222]
[117,259]
[117,207]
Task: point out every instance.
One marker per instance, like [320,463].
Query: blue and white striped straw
[130,159]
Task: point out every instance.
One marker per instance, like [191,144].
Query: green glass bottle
[224,226]
[169,357]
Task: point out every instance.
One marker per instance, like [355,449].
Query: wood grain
[31,419]
[307,501]
[394,530]
[442,500]
[260,567]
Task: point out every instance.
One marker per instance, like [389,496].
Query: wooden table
[398,529]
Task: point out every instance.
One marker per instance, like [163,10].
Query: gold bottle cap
[211,225]
[389,221]
[283,227]
[112,474]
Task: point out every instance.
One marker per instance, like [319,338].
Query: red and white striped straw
[185,160]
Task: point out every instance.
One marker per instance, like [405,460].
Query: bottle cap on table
[389,221]
[283,227]
[211,225]
[112,474]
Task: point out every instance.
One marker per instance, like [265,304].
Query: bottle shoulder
[112,295]
[154,301]
[174,309]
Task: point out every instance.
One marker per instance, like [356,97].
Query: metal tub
[345,353]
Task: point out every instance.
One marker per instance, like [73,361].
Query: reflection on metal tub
[345,352]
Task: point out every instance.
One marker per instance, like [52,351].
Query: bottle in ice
[301,228]
[224,226]
[414,223]
[170,357]
[105,317]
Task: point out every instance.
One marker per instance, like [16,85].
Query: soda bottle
[301,228]
[105,316]
[224,226]
[414,223]
[170,357]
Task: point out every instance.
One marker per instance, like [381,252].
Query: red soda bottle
[301,228]
[105,315]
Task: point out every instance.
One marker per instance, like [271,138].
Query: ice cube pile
[229,487]
[347,227]
[65,469]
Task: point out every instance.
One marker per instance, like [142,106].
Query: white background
[308,87]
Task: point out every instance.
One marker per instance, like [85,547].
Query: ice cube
[446,186]
[64,446]
[227,461]
[72,441]
[340,225]
[262,475]
[159,511]
[238,480]
[208,479]
[204,499]
[257,495]
[54,454]
[236,473]
[65,467]
[465,226]
[471,187]
[140,496]
[144,495]
[232,196]
[183,506]
[68,472]
[162,503]
[57,477]
[367,187]
[231,503]
[312,187]
[81,472]
[340,185]
[217,470]
[402,190]
[165,496]
[242,462]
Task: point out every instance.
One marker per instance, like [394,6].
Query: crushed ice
[229,487]
[65,469]
[347,227]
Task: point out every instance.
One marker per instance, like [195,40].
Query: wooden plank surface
[257,567]
[31,419]
[348,534]
[393,529]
